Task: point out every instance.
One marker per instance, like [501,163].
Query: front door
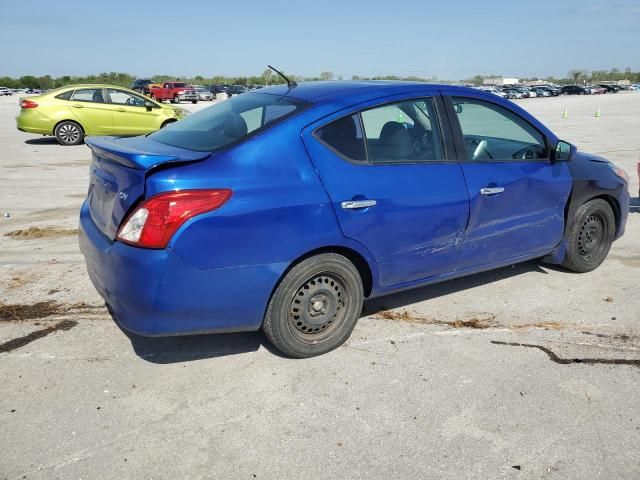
[130,115]
[394,186]
[517,195]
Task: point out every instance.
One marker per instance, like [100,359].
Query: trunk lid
[118,172]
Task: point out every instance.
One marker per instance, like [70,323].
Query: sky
[447,39]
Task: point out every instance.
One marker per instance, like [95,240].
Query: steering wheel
[130,101]
[480,147]
[527,153]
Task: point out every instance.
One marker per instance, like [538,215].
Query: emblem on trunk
[123,196]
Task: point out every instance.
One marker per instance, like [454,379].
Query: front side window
[120,97]
[88,95]
[492,132]
[403,132]
[228,122]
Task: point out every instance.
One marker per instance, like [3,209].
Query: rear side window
[228,122]
[403,132]
[65,95]
[345,137]
[88,95]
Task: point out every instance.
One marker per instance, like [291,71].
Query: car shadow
[188,348]
[42,141]
[634,205]
[429,292]
[167,350]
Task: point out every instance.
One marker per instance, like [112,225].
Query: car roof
[327,91]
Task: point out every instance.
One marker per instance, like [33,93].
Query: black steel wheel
[69,133]
[315,307]
[590,236]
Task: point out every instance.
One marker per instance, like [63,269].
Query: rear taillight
[154,222]
[26,103]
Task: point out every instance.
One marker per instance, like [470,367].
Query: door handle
[356,204]
[76,105]
[491,190]
[120,109]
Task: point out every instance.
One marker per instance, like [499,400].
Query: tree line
[268,77]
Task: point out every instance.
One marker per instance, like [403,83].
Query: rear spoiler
[140,153]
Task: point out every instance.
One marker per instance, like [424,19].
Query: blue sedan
[285,209]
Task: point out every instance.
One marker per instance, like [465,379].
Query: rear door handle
[356,204]
[491,190]
[76,105]
[120,109]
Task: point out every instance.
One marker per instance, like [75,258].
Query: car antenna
[290,83]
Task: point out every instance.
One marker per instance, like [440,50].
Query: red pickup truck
[174,91]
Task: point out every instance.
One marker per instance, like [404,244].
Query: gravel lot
[416,393]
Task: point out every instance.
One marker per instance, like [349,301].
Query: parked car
[512,93]
[574,90]
[493,90]
[4,91]
[204,94]
[70,113]
[218,89]
[176,92]
[282,209]
[141,85]
[236,90]
[609,88]
[595,90]
[541,92]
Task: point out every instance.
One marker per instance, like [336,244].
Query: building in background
[500,81]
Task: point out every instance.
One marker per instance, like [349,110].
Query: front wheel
[69,133]
[315,307]
[194,101]
[590,236]
[176,99]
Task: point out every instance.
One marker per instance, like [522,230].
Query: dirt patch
[632,261]
[19,280]
[480,321]
[21,312]
[41,232]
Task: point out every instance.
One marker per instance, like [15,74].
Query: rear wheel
[69,133]
[315,307]
[590,236]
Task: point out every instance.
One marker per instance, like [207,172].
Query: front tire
[315,307]
[69,133]
[590,236]
[176,99]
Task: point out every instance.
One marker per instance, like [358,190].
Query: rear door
[517,195]
[395,185]
[130,115]
[89,107]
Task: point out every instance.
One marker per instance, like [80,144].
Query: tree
[327,76]
[266,76]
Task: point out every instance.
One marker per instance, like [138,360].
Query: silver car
[204,94]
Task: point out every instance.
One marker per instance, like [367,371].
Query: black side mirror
[150,105]
[564,152]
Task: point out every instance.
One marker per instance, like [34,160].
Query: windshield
[179,85]
[228,122]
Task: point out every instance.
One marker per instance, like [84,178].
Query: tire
[69,133]
[194,101]
[175,99]
[315,307]
[590,236]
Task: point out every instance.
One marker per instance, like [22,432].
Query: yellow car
[75,111]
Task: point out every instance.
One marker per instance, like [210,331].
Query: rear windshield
[179,85]
[228,122]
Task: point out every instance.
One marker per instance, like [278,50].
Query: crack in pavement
[568,361]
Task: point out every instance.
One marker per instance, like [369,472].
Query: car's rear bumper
[156,292]
[34,122]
